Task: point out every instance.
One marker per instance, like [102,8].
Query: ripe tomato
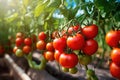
[115,70]
[90,31]
[19,53]
[54,34]
[59,43]
[57,54]
[49,46]
[90,47]
[19,35]
[15,49]
[73,29]
[26,49]
[112,38]
[76,42]
[1,50]
[68,60]
[84,59]
[28,41]
[42,36]
[115,56]
[49,55]
[41,45]
[19,41]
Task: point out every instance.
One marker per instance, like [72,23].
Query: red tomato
[68,60]
[90,47]
[57,55]
[73,29]
[28,41]
[19,41]
[49,46]
[115,70]
[76,42]
[19,35]
[15,49]
[49,55]
[115,56]
[59,43]
[42,36]
[112,38]
[90,31]
[41,45]
[26,49]
[1,50]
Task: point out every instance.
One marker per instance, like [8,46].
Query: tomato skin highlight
[59,43]
[112,38]
[42,36]
[49,55]
[115,70]
[26,49]
[90,47]
[15,49]
[68,60]
[90,32]
[76,42]
[49,46]
[28,41]
[41,45]
[115,56]
[57,54]
[19,41]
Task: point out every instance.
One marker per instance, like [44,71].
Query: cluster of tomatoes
[68,47]
[113,40]
[24,45]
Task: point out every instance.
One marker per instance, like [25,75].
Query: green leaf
[25,2]
[40,8]
[12,17]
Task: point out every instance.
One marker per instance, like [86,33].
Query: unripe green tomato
[84,59]
[65,69]
[73,70]
[90,72]
[19,53]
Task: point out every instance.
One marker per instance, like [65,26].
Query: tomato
[90,47]
[49,46]
[59,43]
[49,55]
[41,45]
[73,70]
[84,59]
[73,29]
[34,38]
[42,36]
[15,49]
[112,38]
[28,41]
[26,49]
[57,54]
[76,42]
[115,56]
[19,35]
[19,41]
[1,50]
[115,70]
[68,60]
[90,31]
[19,53]
[65,69]
[54,34]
